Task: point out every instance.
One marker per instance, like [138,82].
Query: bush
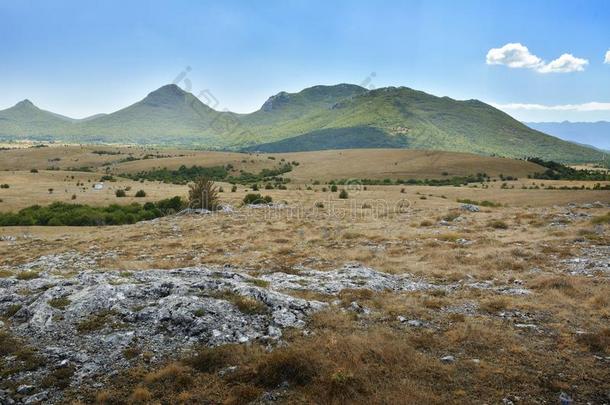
[120,193]
[33,170]
[203,194]
[286,364]
[343,194]
[604,219]
[497,224]
[256,199]
[233,188]
[4,186]
[333,188]
[141,193]
[255,187]
[63,214]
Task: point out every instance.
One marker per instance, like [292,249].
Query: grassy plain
[524,348]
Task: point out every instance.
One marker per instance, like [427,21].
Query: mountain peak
[166,95]
[25,104]
[169,89]
[319,95]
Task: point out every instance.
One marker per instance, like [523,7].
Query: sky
[536,60]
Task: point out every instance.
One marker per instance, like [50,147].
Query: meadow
[506,302]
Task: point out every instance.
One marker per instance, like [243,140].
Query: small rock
[401,319]
[470,208]
[36,398]
[565,399]
[416,323]
[24,389]
[448,359]
[64,363]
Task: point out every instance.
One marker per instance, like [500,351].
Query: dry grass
[352,357]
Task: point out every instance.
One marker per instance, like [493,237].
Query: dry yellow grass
[374,357]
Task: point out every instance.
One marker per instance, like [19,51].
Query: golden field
[523,348]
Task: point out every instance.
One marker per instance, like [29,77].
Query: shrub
[252,198]
[59,214]
[33,170]
[598,341]
[59,303]
[604,219]
[203,194]
[319,204]
[268,186]
[333,188]
[233,188]
[211,359]
[4,186]
[286,364]
[27,275]
[255,187]
[343,194]
[141,193]
[140,395]
[497,224]
[120,193]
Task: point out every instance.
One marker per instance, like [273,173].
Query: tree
[343,194]
[203,194]
[141,193]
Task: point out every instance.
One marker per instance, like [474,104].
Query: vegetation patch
[558,171]
[484,203]
[59,303]
[257,199]
[62,214]
[184,174]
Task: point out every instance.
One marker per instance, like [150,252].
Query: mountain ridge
[384,117]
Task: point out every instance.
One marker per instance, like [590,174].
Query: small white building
[98,186]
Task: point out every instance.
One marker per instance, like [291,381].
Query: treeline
[558,171]
[452,181]
[184,175]
[62,214]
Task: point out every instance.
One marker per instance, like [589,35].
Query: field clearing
[26,188]
[502,339]
[320,165]
[513,295]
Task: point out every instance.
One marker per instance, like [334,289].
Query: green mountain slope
[24,119]
[335,138]
[319,117]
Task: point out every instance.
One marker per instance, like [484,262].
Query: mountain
[596,134]
[24,118]
[319,117]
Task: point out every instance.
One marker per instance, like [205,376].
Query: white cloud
[566,63]
[516,55]
[607,59]
[513,55]
[584,107]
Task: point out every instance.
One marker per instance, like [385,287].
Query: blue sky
[79,58]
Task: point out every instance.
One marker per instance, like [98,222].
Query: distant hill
[596,134]
[319,117]
[335,138]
